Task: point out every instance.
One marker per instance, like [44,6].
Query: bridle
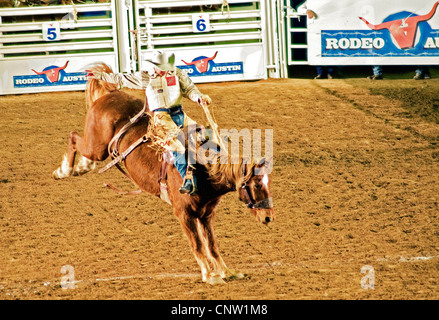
[266,203]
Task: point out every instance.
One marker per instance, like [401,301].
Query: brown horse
[108,111]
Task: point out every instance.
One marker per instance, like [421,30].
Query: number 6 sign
[200,23]
[51,31]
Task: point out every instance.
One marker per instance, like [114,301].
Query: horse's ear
[263,166]
[269,161]
[264,161]
[259,162]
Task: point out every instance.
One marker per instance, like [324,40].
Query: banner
[221,63]
[373,32]
[47,74]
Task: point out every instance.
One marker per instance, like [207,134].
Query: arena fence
[213,40]
[47,48]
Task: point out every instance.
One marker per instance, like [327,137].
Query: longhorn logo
[403,30]
[52,73]
[202,63]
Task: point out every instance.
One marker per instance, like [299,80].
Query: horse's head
[255,192]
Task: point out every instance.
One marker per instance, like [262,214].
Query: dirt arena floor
[354,184]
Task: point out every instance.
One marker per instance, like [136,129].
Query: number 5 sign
[200,23]
[51,31]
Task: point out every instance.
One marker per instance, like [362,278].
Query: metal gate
[213,40]
[47,48]
[294,34]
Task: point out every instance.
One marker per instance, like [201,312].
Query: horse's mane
[232,174]
[97,88]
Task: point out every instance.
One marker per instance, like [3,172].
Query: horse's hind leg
[90,152]
[64,170]
[83,166]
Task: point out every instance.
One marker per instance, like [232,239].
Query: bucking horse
[109,112]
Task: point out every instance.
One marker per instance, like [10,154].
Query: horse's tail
[97,88]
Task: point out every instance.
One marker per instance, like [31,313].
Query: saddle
[113,150]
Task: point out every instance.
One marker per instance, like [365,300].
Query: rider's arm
[190,90]
[137,80]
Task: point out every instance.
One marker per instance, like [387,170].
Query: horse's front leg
[205,227]
[189,224]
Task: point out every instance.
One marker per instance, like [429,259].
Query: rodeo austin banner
[220,63]
[373,32]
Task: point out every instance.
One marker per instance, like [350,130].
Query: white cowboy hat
[162,60]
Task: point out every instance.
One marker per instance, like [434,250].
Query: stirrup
[185,189]
[188,177]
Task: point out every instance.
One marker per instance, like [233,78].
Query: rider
[165,86]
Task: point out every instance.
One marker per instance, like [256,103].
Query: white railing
[21,31]
[176,29]
[61,40]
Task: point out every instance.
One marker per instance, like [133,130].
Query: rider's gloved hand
[205,100]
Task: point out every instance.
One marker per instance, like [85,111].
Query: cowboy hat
[162,60]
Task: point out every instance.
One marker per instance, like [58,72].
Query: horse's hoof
[57,174]
[79,172]
[234,275]
[64,170]
[84,165]
[215,279]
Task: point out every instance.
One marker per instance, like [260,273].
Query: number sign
[200,23]
[51,31]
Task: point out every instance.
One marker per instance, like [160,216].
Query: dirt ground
[354,184]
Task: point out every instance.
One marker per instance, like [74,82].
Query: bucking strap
[124,154]
[162,181]
[163,172]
